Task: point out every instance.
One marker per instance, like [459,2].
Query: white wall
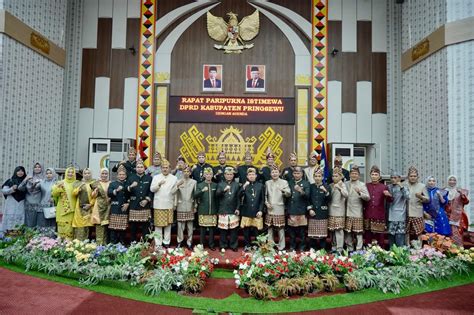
[31,89]
[460,80]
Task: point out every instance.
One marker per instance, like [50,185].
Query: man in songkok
[252,196]
[219,170]
[197,171]
[185,206]
[276,190]
[320,196]
[312,167]
[265,174]
[228,198]
[357,195]
[164,187]
[337,210]
[418,196]
[288,172]
[205,195]
[298,208]
[374,210]
[242,169]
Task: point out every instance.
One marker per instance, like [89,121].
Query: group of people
[269,200]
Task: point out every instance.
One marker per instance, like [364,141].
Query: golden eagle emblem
[233,34]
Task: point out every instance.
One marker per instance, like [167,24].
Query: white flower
[237,283]
[227,261]
[223,250]
[203,268]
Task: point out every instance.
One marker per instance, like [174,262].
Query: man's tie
[254,83]
[213,82]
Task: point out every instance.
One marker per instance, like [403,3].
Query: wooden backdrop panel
[195,48]
[186,138]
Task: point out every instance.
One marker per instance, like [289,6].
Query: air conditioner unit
[107,153]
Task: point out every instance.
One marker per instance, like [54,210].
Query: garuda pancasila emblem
[233,34]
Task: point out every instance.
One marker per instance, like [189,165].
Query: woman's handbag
[49,212]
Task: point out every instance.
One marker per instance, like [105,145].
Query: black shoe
[292,249]
[166,246]
[235,249]
[212,248]
[179,245]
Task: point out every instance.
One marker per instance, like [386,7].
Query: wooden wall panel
[349,81]
[364,51]
[116,64]
[88,78]
[104,48]
[176,129]
[125,64]
[303,8]
[117,77]
[133,40]
[379,83]
[164,7]
[334,41]
[195,48]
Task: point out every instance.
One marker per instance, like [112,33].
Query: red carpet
[23,294]
[457,300]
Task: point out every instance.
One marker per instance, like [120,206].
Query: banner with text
[265,110]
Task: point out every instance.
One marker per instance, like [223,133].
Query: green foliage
[193,284]
[162,280]
[330,282]
[259,290]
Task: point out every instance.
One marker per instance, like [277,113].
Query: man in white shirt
[164,187]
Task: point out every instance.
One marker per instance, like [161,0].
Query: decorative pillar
[145,79]
[319,78]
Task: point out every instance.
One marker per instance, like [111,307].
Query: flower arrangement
[139,264]
[301,272]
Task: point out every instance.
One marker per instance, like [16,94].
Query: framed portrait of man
[255,78]
[212,78]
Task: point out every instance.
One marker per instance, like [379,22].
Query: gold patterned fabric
[209,220]
[275,220]
[252,222]
[163,217]
[65,230]
[118,222]
[184,216]
[297,220]
[354,225]
[374,225]
[336,223]
[317,228]
[415,225]
[139,215]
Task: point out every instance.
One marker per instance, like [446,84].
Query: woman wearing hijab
[47,201]
[14,207]
[83,209]
[33,195]
[457,199]
[101,208]
[63,191]
[435,217]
